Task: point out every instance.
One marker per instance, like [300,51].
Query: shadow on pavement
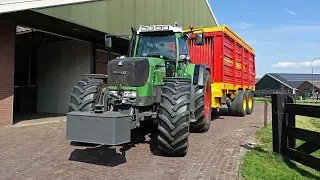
[108,155]
[102,155]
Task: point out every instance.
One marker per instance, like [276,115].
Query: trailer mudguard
[199,71]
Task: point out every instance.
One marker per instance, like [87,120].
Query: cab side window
[183,46]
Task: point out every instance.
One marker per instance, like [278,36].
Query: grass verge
[262,163]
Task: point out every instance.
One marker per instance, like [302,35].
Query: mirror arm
[132,41]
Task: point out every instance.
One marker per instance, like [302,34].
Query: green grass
[262,163]
[259,100]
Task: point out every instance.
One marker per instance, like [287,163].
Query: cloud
[305,64]
[291,12]
[304,22]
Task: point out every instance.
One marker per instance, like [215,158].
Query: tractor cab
[166,42]
[162,41]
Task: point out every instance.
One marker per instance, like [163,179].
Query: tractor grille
[128,72]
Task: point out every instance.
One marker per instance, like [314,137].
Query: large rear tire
[84,94]
[238,106]
[203,106]
[174,114]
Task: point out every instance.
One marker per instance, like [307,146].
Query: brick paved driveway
[41,152]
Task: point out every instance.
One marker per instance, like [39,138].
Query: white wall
[18,5]
[60,66]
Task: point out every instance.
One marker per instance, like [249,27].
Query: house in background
[305,89]
[283,82]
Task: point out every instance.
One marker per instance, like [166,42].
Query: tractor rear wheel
[238,106]
[203,106]
[174,114]
[84,94]
[250,102]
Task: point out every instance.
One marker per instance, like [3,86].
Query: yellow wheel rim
[244,104]
[250,102]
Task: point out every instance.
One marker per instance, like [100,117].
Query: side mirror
[199,39]
[108,42]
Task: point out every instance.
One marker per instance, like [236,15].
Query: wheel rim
[250,102]
[244,104]
[207,102]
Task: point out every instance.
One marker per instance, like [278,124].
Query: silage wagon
[232,68]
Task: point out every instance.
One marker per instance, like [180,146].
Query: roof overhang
[51,25]
[20,5]
[23,30]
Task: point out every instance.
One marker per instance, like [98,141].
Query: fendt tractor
[156,82]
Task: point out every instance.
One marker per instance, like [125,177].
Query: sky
[284,34]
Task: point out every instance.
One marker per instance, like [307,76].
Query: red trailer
[232,68]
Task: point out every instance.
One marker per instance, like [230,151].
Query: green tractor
[156,82]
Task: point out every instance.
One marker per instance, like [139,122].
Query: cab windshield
[161,46]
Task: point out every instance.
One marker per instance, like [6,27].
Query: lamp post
[312,75]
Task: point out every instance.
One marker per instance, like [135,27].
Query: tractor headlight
[114,93]
[130,94]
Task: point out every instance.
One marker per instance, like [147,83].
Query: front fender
[198,76]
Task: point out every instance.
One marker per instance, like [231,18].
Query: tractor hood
[132,72]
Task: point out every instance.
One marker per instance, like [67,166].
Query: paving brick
[41,152]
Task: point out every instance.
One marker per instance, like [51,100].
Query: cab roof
[159,28]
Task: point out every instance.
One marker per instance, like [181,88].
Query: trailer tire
[203,109]
[174,115]
[238,106]
[84,95]
[250,102]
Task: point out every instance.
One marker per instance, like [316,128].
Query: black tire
[174,115]
[84,94]
[83,99]
[236,108]
[203,122]
[250,100]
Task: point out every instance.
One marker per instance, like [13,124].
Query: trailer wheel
[84,94]
[250,101]
[174,114]
[238,106]
[203,106]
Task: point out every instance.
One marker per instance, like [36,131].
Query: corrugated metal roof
[294,80]
[105,15]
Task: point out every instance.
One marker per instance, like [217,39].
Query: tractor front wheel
[83,99]
[84,94]
[174,114]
